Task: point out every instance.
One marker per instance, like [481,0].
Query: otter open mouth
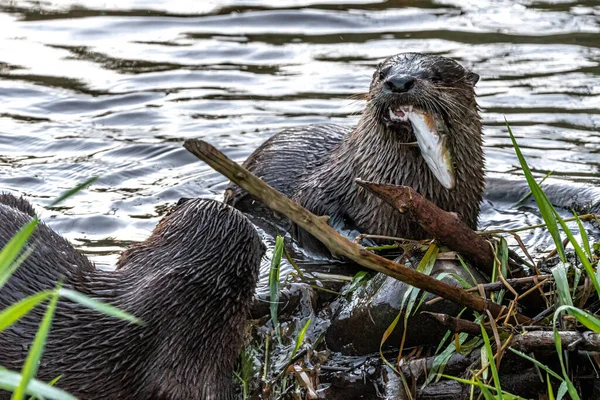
[431,143]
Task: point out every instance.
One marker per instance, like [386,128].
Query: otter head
[427,101]
[192,282]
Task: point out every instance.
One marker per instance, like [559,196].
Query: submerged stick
[337,244]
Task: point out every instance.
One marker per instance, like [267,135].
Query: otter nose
[400,83]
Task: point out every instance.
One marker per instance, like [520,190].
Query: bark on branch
[528,341]
[443,225]
[338,245]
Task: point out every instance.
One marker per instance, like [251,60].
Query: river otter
[317,165]
[191,282]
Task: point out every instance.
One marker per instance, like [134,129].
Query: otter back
[192,295]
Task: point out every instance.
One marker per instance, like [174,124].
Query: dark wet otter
[191,282]
[317,165]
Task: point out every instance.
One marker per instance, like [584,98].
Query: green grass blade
[492,362]
[576,277]
[486,392]
[12,250]
[588,320]
[244,385]
[440,361]
[562,284]
[536,362]
[558,344]
[385,337]
[479,384]
[562,391]
[425,267]
[550,391]
[504,257]
[584,236]
[94,304]
[71,192]
[300,338]
[546,209]
[580,253]
[522,199]
[10,380]
[4,277]
[51,383]
[466,268]
[11,314]
[484,360]
[274,283]
[35,352]
[356,281]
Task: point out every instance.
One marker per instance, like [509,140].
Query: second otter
[193,297]
[317,165]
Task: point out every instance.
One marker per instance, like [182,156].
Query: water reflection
[112,88]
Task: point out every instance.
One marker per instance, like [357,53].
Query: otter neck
[375,153]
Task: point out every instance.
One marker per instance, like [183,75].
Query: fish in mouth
[428,130]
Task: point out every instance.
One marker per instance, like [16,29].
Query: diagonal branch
[338,245]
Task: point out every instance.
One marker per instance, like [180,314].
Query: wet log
[544,340]
[337,244]
[525,383]
[442,225]
[528,340]
[417,369]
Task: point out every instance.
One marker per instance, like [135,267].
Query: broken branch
[338,245]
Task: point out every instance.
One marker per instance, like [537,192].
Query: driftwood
[544,340]
[338,245]
[417,369]
[442,225]
[527,341]
[525,382]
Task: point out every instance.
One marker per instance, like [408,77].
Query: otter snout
[399,83]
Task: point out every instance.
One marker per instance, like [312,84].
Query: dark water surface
[112,88]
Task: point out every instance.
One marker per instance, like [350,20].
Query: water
[112,88]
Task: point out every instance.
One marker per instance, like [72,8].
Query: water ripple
[113,88]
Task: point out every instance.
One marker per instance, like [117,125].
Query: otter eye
[384,72]
[436,79]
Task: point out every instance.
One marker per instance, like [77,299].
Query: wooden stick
[528,341]
[440,224]
[544,340]
[338,245]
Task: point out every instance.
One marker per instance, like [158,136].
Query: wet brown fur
[191,282]
[317,165]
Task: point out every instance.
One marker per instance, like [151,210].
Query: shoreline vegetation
[542,312]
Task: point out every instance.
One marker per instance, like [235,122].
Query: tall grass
[13,254]
[553,220]
[274,273]
[565,294]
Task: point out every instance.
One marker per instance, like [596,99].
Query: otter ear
[472,78]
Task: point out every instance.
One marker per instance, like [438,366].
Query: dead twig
[496,286]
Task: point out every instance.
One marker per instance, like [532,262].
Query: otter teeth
[401,113]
